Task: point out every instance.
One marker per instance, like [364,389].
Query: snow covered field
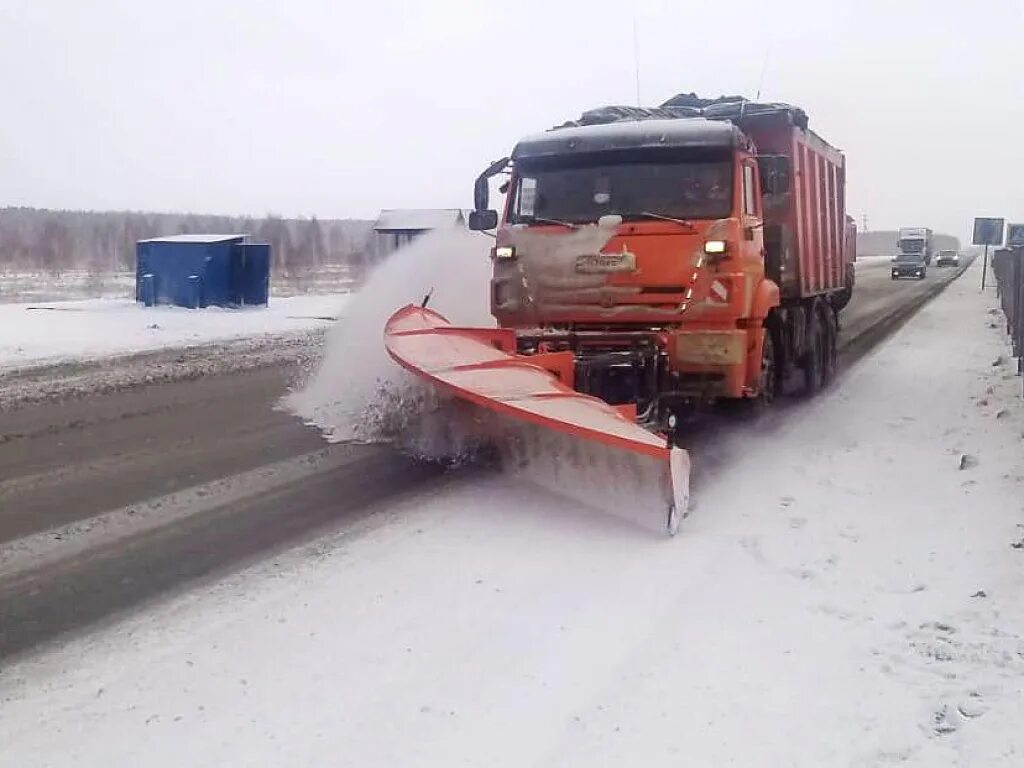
[79,330]
[36,285]
[846,592]
[21,286]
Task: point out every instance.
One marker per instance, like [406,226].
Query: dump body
[810,225]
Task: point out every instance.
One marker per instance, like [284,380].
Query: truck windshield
[911,257]
[915,245]
[686,189]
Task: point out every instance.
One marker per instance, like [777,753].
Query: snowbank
[844,594]
[78,330]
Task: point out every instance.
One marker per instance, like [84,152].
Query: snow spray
[358,393]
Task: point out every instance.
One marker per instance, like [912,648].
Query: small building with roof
[396,227]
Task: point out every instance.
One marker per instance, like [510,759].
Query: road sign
[1015,235]
[988,231]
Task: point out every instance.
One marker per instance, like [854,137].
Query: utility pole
[864,222]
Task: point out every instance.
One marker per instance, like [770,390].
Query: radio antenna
[636,58]
[764,68]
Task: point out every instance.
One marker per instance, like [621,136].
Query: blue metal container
[253,280]
[202,270]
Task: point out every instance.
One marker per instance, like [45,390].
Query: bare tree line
[53,241]
[104,242]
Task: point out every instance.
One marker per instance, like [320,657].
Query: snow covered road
[843,594]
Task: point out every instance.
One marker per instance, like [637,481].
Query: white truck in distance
[917,241]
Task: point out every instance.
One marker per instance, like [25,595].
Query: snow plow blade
[570,443]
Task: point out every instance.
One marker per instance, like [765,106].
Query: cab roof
[695,132]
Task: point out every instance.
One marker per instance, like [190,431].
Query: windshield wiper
[541,219]
[649,215]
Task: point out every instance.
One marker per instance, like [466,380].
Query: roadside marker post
[987,231]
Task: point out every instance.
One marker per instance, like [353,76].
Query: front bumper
[914,271]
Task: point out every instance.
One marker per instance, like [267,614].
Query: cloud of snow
[358,392]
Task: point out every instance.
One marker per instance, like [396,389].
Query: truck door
[751,194]
[751,218]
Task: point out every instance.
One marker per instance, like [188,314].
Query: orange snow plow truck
[646,261]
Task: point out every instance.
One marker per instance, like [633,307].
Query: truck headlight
[505,252]
[714,246]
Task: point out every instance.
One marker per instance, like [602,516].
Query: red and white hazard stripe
[719,293]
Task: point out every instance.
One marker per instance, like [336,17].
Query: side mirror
[481,193]
[482,217]
[481,187]
[481,220]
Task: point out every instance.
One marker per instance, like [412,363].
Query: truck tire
[768,380]
[814,354]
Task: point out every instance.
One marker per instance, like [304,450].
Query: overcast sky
[339,109]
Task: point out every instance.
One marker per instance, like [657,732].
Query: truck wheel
[814,356]
[768,380]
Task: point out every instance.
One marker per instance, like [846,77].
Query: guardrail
[1008,268]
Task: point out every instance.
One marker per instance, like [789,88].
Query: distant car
[909,265]
[948,259]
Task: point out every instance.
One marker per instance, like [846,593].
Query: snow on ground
[79,330]
[19,286]
[39,285]
[844,594]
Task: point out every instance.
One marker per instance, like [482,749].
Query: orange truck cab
[683,255]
